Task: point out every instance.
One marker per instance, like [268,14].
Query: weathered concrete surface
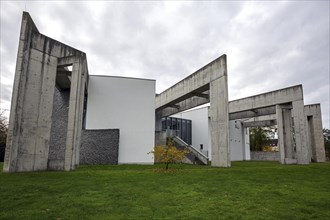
[207,84]
[265,123]
[99,146]
[252,113]
[219,119]
[281,96]
[264,155]
[30,119]
[315,132]
[290,117]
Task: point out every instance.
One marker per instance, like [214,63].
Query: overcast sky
[269,45]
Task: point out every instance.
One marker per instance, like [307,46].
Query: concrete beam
[197,82]
[252,113]
[260,118]
[266,123]
[281,96]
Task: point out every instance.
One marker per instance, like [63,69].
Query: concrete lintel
[189,103]
[202,95]
[266,123]
[197,82]
[259,118]
[252,113]
[65,61]
[282,96]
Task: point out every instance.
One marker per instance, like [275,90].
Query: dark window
[163,124]
[184,130]
[189,134]
[179,124]
[168,124]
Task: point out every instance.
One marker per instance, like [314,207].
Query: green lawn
[248,190]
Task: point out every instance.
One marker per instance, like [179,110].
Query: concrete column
[316,141]
[17,101]
[289,147]
[280,133]
[74,116]
[300,128]
[219,122]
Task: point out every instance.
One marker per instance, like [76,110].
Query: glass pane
[179,127]
[184,130]
[174,125]
[189,135]
[168,124]
[164,124]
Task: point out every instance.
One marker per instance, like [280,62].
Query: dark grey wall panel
[99,146]
[58,133]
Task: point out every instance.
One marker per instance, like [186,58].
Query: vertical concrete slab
[219,117]
[316,141]
[303,154]
[74,116]
[289,146]
[280,132]
[27,26]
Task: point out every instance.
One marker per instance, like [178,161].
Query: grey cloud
[284,44]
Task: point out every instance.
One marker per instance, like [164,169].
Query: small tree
[3,135]
[259,137]
[169,154]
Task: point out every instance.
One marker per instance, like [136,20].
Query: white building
[129,105]
[239,144]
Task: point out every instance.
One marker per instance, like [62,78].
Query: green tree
[168,154]
[3,135]
[259,137]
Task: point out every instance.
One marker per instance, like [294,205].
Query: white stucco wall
[127,104]
[236,140]
[238,136]
[199,128]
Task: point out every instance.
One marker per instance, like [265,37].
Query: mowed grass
[248,190]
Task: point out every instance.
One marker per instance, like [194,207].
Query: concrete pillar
[74,116]
[31,110]
[289,145]
[300,128]
[219,122]
[280,133]
[285,134]
[315,132]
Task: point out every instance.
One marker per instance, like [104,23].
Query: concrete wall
[99,146]
[263,155]
[30,120]
[129,105]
